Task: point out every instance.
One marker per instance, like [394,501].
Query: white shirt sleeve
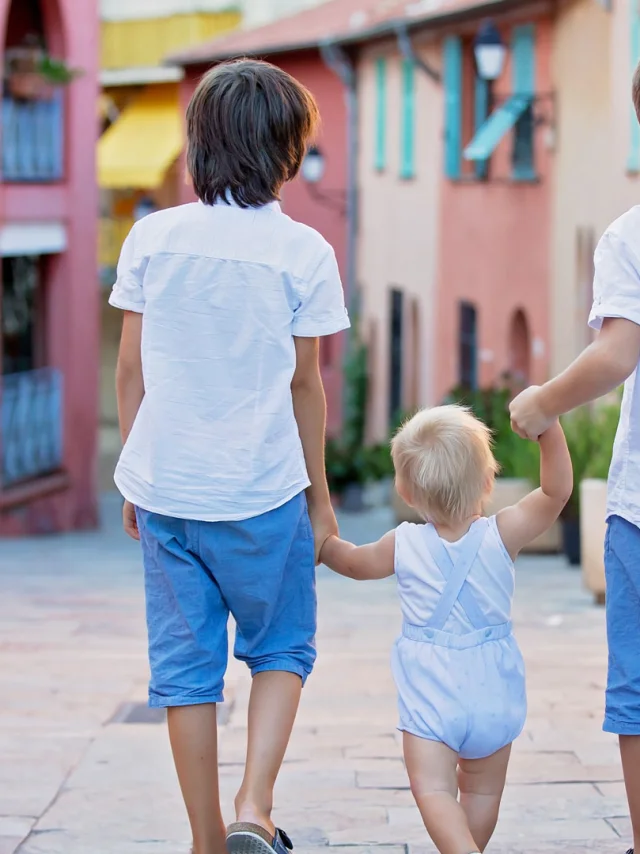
[322,310]
[127,292]
[616,286]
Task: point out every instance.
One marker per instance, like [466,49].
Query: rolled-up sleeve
[322,310]
[616,286]
[127,293]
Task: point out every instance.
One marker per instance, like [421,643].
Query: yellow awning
[138,149]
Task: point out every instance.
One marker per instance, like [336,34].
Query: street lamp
[312,172]
[490,52]
[313,166]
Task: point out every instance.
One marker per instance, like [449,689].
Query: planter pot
[29,86]
[571,541]
[378,493]
[352,498]
[593,526]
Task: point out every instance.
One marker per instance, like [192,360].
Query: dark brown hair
[248,127]
[635,91]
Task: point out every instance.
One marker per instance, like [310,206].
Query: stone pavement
[77,777]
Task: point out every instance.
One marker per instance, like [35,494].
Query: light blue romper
[457,666]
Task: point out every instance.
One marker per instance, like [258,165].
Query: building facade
[49,304]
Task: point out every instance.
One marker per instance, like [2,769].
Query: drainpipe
[338,61]
[408,52]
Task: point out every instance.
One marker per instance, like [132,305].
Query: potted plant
[34,75]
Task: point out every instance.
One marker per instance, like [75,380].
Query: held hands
[324,524]
[528,419]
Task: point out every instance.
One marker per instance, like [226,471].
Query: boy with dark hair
[612,359]
[222,413]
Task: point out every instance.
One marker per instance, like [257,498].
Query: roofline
[379,31]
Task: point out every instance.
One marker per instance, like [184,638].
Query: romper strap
[456,576]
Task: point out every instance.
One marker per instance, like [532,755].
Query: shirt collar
[229,200]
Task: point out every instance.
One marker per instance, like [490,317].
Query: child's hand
[528,419]
[324,524]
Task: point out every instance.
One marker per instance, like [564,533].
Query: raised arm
[363,563]
[526,521]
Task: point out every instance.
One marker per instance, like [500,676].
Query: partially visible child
[457,666]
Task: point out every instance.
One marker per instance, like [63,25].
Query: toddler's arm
[524,522]
[364,563]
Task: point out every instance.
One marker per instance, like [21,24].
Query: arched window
[520,349]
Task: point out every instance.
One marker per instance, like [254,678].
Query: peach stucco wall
[398,232]
[494,250]
[592,185]
[72,290]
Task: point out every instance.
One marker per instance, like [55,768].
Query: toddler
[457,666]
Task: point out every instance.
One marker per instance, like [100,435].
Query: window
[395,354]
[468,346]
[407,140]
[515,113]
[381,115]
[20,314]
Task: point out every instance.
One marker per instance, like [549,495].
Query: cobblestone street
[79,775]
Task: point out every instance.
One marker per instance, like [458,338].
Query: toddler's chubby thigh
[429,700]
[497,698]
[186,615]
[266,571]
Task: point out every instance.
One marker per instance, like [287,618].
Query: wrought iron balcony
[31,425]
[33,140]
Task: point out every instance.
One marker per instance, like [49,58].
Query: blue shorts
[261,570]
[622,567]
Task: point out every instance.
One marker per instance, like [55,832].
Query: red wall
[495,245]
[298,203]
[73,336]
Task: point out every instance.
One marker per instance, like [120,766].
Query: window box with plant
[33,75]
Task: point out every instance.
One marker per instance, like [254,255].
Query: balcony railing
[33,140]
[31,425]
[112,234]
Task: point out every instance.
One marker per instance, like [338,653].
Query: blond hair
[444,461]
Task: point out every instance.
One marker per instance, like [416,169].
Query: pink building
[49,307]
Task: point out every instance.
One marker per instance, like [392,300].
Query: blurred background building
[470,157]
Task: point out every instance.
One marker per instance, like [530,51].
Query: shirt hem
[623,514]
[321,329]
[124,305]
[150,507]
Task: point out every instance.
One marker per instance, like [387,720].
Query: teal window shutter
[380,161]
[523,50]
[481,113]
[407,139]
[496,127]
[633,160]
[452,61]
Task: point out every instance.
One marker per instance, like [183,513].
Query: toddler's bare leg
[194,741]
[481,783]
[432,773]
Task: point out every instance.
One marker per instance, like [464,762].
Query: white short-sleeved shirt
[223,291]
[617,294]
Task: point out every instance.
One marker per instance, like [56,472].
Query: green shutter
[452,106]
[407,138]
[481,114]
[633,160]
[381,114]
[523,49]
